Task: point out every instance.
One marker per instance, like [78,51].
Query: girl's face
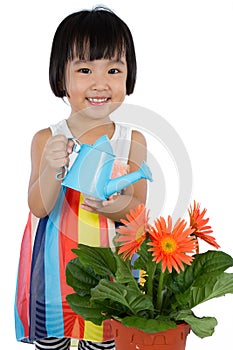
[96,87]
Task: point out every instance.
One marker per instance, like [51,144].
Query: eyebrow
[78,61]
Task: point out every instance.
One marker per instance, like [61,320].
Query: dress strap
[61,128]
[121,141]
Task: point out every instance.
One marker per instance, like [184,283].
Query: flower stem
[159,293]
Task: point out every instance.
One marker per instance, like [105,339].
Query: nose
[100,82]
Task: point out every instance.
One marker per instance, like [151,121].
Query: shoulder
[138,147]
[43,133]
[137,136]
[41,137]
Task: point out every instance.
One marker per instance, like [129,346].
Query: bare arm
[118,206]
[48,155]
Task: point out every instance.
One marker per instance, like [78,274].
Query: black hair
[90,35]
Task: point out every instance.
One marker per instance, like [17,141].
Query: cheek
[72,82]
[74,87]
[124,89]
[121,86]
[125,81]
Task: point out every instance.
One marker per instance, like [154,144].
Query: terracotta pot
[128,338]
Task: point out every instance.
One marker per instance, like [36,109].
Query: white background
[185,74]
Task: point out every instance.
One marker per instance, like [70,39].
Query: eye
[84,70]
[113,71]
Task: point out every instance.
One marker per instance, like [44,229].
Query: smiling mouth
[98,101]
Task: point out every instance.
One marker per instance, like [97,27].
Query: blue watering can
[92,168]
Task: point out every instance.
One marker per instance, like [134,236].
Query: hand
[95,205]
[57,151]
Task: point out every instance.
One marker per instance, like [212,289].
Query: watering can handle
[77,144]
[62,174]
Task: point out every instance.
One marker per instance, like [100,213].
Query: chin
[101,111]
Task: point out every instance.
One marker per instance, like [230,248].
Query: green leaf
[204,289]
[128,297]
[101,259]
[202,327]
[159,324]
[143,258]
[80,277]
[203,280]
[124,272]
[211,262]
[139,303]
[82,306]
[109,290]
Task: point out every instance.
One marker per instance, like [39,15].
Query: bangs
[92,39]
[94,48]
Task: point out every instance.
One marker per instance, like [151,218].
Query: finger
[56,146]
[58,163]
[108,202]
[88,208]
[70,146]
[90,198]
[59,139]
[92,204]
[58,154]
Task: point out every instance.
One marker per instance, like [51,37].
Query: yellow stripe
[88,227]
[93,332]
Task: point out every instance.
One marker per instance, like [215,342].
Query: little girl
[93,65]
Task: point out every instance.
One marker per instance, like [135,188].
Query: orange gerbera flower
[198,223]
[170,245]
[134,231]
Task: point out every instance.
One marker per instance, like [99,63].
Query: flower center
[168,245]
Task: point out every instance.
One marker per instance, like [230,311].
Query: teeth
[97,100]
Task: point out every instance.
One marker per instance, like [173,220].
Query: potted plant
[153,279]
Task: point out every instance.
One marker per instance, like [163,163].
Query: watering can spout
[119,183]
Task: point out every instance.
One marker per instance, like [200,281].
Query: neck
[88,130]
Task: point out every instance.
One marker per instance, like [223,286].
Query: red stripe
[68,238]
[104,237]
[24,277]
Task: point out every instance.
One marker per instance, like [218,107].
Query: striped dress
[41,309]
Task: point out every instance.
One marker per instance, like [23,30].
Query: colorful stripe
[68,238]
[88,227]
[93,331]
[23,282]
[54,313]
[37,292]
[104,232]
[41,309]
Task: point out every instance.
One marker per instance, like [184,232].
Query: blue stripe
[37,292]
[19,328]
[54,312]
